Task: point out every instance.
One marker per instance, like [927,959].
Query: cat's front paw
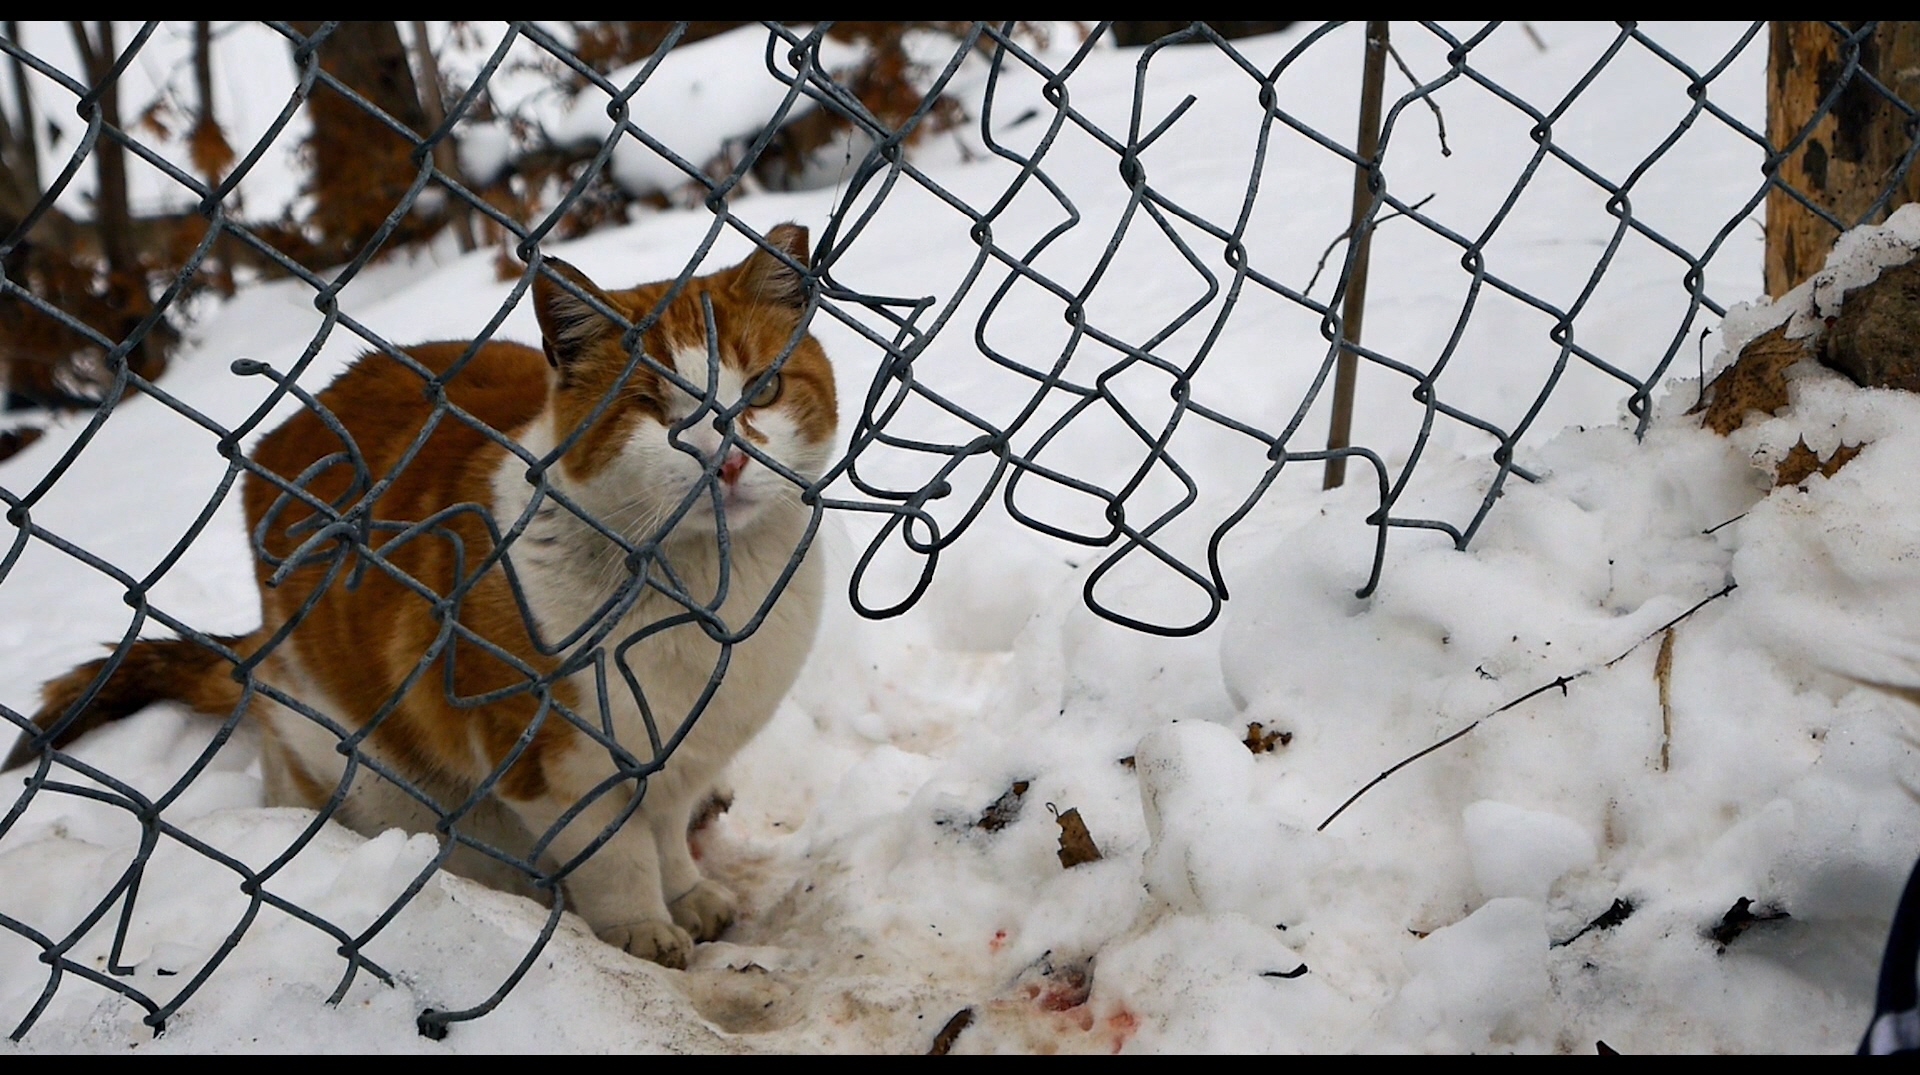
[662,942]
[705,910]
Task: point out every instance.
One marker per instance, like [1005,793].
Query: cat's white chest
[659,680]
[672,654]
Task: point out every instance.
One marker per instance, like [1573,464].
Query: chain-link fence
[884,120]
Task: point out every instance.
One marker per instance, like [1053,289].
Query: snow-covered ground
[1439,912]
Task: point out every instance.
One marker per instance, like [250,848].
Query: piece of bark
[943,1041]
[1875,339]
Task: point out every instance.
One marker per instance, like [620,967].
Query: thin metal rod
[1340,432]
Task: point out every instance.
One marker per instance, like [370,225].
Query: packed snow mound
[1521,853]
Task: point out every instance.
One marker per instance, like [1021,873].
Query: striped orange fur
[400,649]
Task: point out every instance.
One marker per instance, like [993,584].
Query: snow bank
[695,101]
[1469,902]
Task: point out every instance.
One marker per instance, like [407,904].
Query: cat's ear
[568,325]
[765,278]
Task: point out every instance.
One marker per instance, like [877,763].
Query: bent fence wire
[970,460]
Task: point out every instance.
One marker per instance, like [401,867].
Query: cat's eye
[768,391]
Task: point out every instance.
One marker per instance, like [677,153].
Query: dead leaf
[1261,741]
[154,119]
[1004,810]
[1618,912]
[209,149]
[1840,458]
[1076,844]
[1740,918]
[1801,463]
[1757,381]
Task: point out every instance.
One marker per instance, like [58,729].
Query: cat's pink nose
[736,462]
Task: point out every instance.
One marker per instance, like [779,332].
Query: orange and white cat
[527,731]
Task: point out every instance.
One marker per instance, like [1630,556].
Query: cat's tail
[154,670]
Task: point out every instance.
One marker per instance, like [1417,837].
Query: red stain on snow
[1064,996]
[998,942]
[1122,1025]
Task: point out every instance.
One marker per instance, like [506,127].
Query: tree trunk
[446,153]
[126,280]
[1854,154]
[361,168]
[211,153]
[19,152]
[109,156]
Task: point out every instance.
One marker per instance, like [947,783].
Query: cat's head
[761,389]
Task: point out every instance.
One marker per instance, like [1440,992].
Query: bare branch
[433,95]
[1561,683]
[1348,234]
[1438,119]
